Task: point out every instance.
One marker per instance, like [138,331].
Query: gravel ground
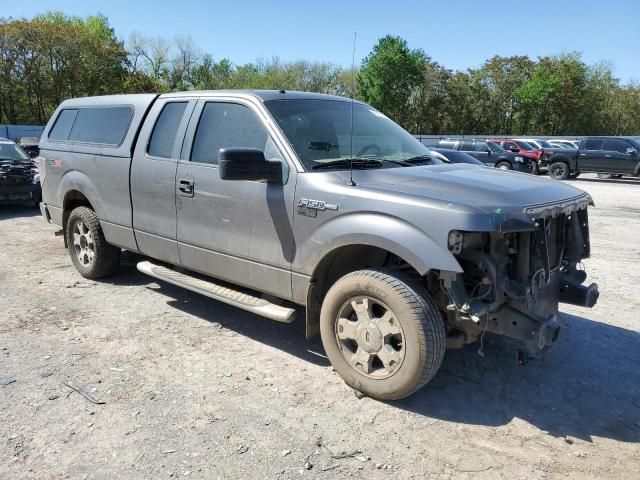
[189,387]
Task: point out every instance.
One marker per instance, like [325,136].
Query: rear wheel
[559,171]
[90,253]
[504,166]
[382,333]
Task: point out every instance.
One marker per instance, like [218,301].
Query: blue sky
[458,34]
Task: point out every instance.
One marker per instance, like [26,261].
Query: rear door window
[480,147]
[594,144]
[165,130]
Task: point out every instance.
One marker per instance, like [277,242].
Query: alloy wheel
[370,337]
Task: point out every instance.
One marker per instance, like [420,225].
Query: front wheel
[382,333]
[504,166]
[90,253]
[559,171]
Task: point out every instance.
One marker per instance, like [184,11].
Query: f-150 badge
[309,208]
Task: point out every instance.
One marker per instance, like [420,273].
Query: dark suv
[490,154]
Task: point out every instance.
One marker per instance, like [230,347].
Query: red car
[526,149]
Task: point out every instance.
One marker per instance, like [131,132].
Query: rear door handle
[607,156]
[185,187]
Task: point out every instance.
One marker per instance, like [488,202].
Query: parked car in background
[524,148]
[490,154]
[565,146]
[30,145]
[323,202]
[454,156]
[19,176]
[603,155]
[570,143]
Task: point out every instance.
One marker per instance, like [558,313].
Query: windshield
[545,144]
[525,145]
[494,147]
[320,132]
[10,151]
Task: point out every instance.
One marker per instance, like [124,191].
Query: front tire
[559,171]
[504,166]
[382,333]
[90,253]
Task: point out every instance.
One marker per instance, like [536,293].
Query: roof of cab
[264,95]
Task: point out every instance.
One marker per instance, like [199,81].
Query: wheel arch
[369,252]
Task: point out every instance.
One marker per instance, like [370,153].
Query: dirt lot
[194,388]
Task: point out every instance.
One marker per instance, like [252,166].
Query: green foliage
[54,56]
[389,76]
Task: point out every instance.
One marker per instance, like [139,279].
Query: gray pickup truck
[267,200]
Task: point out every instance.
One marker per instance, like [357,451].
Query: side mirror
[488,150]
[514,149]
[631,151]
[248,164]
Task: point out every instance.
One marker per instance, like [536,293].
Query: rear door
[481,152]
[153,178]
[239,231]
[591,156]
[616,153]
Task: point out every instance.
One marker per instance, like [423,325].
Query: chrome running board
[245,301]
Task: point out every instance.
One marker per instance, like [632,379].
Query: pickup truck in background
[614,156]
[491,154]
[266,200]
[523,148]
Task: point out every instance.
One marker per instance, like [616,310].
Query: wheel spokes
[362,307]
[388,325]
[347,329]
[389,357]
[362,359]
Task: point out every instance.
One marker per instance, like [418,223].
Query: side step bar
[247,302]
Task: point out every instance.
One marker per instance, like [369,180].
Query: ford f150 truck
[270,199]
[614,156]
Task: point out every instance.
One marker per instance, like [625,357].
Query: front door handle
[607,156]
[185,187]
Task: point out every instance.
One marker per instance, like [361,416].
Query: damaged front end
[514,277]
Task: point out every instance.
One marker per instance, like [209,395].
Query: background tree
[389,76]
[51,57]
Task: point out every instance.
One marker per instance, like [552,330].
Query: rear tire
[90,253]
[559,171]
[504,166]
[382,333]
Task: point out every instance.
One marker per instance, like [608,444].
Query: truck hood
[480,187]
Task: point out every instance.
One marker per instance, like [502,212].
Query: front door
[618,153]
[239,231]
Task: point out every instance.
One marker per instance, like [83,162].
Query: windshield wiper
[418,159]
[345,162]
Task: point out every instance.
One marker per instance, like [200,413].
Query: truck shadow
[17,211]
[587,385]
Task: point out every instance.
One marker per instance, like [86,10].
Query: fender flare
[76,180]
[417,248]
